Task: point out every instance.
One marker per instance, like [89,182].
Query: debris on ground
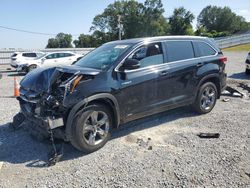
[244,87]
[145,144]
[225,99]
[209,135]
[233,92]
[248,174]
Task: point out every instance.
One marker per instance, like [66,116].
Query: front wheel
[91,128]
[206,98]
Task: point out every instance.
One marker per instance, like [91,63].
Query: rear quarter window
[203,49]
[179,50]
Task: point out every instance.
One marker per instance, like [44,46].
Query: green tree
[181,22]
[153,20]
[52,43]
[138,19]
[219,19]
[61,40]
[64,40]
[85,41]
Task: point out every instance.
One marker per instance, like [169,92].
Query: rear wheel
[206,99]
[248,71]
[91,128]
[32,67]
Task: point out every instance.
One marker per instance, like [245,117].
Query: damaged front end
[47,95]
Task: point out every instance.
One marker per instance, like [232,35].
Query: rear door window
[179,50]
[61,55]
[52,56]
[67,54]
[203,49]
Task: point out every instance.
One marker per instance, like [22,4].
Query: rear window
[203,49]
[14,55]
[29,55]
[179,50]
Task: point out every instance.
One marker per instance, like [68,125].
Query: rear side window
[203,49]
[29,55]
[179,50]
[52,56]
[60,55]
[68,55]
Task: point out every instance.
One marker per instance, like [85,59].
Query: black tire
[204,103]
[248,71]
[81,138]
[31,67]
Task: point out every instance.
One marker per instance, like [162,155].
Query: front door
[139,87]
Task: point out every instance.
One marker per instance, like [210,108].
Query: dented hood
[41,79]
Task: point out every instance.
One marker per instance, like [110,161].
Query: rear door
[177,81]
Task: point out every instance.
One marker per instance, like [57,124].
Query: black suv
[122,81]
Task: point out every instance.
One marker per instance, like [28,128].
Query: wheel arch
[214,78]
[104,98]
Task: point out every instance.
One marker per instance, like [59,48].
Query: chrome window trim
[164,63]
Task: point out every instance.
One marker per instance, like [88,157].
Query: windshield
[103,57]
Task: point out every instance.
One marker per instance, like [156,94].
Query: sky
[75,17]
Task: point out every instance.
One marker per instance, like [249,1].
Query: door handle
[199,65]
[164,73]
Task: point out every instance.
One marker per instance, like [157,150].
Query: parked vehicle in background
[122,81]
[18,58]
[50,60]
[248,64]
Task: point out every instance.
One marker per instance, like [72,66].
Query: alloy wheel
[96,127]
[208,98]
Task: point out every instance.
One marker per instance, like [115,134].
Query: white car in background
[248,64]
[20,57]
[50,60]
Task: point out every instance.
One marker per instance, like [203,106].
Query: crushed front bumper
[31,112]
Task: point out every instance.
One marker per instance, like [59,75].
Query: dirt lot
[160,151]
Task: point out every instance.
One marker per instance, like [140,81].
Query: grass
[243,47]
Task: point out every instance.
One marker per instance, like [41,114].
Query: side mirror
[130,64]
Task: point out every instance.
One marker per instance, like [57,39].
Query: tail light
[223,59]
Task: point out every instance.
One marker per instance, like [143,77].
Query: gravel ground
[160,151]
